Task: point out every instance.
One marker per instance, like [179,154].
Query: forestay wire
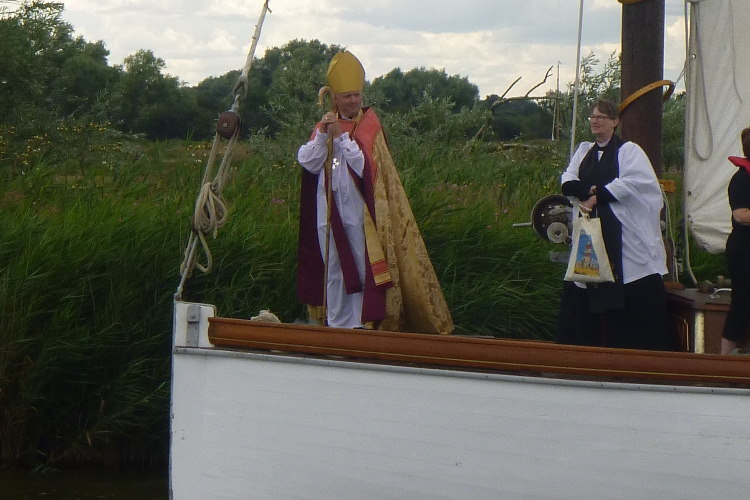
[577,82]
[210,209]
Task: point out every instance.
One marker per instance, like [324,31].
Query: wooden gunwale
[497,355]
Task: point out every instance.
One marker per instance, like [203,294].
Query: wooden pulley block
[228,124]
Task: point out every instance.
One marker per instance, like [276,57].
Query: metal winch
[552,219]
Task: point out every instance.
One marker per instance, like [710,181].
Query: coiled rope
[210,208]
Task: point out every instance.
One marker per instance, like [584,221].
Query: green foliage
[282,89]
[497,279]
[145,101]
[73,145]
[33,39]
[592,85]
[256,252]
[88,265]
[82,77]
[295,73]
[402,91]
[85,361]
[434,119]
[673,133]
[520,119]
[214,95]
[48,76]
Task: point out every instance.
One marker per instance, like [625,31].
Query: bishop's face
[348,103]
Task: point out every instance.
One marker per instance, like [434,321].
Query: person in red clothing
[738,250]
[375,271]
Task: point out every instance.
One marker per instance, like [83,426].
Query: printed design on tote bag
[586,260]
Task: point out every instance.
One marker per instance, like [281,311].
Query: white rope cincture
[210,208]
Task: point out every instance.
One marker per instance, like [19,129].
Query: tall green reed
[498,279]
[87,355]
[86,302]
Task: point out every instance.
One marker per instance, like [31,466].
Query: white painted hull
[257,426]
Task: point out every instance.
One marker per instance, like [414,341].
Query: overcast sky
[492,42]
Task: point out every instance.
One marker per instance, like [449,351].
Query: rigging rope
[688,142]
[210,208]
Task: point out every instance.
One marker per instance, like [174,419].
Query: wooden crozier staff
[322,93]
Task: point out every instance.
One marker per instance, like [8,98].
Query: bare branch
[526,98]
[549,71]
[511,86]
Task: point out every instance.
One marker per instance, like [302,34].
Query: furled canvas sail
[718,108]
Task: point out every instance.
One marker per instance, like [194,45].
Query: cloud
[489,41]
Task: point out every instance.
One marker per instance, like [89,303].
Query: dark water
[83,485]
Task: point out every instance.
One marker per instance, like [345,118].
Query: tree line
[49,78]
[52,75]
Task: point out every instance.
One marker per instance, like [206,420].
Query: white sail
[718,108]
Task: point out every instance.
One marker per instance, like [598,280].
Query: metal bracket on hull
[190,325]
[193,325]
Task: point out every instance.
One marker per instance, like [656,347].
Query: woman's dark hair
[609,108]
[745,136]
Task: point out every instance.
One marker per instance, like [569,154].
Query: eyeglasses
[599,117]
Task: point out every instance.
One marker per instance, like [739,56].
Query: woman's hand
[588,205]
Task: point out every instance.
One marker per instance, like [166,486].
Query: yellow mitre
[345,73]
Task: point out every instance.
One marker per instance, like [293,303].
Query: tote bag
[588,260]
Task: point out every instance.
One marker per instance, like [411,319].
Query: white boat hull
[254,425]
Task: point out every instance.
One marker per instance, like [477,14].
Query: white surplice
[344,310]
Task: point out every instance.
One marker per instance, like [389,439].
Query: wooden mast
[642,65]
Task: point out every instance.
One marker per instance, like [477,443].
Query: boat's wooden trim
[528,357]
